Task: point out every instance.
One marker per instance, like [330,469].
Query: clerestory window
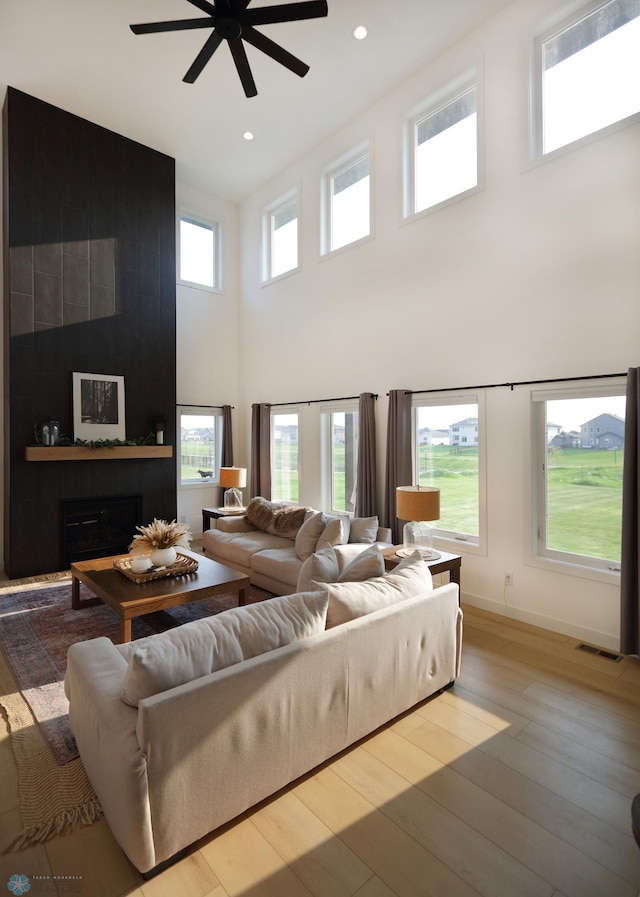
[280,237]
[347,201]
[441,147]
[586,72]
[199,253]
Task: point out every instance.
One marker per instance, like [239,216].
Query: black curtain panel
[366,504]
[260,451]
[398,469]
[630,566]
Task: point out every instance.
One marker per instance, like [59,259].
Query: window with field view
[447,455]
[579,478]
[284,457]
[343,460]
[200,444]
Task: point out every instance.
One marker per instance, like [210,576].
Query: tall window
[587,73]
[200,444]
[578,475]
[341,461]
[347,202]
[441,148]
[448,454]
[280,237]
[284,457]
[198,253]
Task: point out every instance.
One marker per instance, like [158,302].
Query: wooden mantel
[86,453]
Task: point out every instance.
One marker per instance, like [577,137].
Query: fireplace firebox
[98,527]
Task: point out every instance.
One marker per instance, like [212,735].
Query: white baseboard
[607,640]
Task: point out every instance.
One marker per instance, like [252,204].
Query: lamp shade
[417,503]
[233,477]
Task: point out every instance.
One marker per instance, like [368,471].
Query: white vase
[163,557]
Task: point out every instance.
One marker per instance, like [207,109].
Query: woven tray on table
[180,567]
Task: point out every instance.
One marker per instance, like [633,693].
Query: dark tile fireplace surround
[89,285]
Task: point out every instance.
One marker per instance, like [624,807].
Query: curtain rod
[182,405]
[415,392]
[316,401]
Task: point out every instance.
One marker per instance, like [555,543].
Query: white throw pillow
[348,600]
[366,565]
[196,649]
[321,566]
[363,529]
[308,535]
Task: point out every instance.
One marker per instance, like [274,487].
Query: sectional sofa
[181,732]
[272,541]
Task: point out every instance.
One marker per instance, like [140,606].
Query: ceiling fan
[233,22]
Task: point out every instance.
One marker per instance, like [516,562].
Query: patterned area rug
[37,626]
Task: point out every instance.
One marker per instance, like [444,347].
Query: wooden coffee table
[130,599]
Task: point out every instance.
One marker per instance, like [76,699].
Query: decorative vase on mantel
[163,557]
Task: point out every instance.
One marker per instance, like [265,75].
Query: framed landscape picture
[98,407]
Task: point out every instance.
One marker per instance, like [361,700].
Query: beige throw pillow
[308,535]
[196,649]
[348,600]
[366,565]
[322,566]
[336,532]
[363,529]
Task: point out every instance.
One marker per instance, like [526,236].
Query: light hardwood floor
[518,781]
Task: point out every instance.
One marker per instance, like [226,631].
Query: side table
[446,561]
[209,514]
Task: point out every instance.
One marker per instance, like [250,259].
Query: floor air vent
[600,652]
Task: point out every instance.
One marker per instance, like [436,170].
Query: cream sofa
[205,743]
[272,556]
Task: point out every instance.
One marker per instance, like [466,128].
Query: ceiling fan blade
[287,12]
[205,6]
[242,64]
[178,25]
[275,51]
[203,57]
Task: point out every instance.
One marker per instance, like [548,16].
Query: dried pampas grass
[160,534]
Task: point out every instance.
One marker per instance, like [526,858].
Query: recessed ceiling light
[248,135]
[360,32]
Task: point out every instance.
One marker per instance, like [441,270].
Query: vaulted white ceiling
[81,55]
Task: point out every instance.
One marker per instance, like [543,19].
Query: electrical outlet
[508,579]
[183,518]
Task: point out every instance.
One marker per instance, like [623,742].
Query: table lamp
[233,479]
[417,504]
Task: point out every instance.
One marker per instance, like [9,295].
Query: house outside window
[441,147]
[280,237]
[448,454]
[586,74]
[199,253]
[340,454]
[577,477]
[284,457]
[346,204]
[200,432]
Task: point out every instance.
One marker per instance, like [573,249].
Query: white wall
[536,276]
[207,339]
